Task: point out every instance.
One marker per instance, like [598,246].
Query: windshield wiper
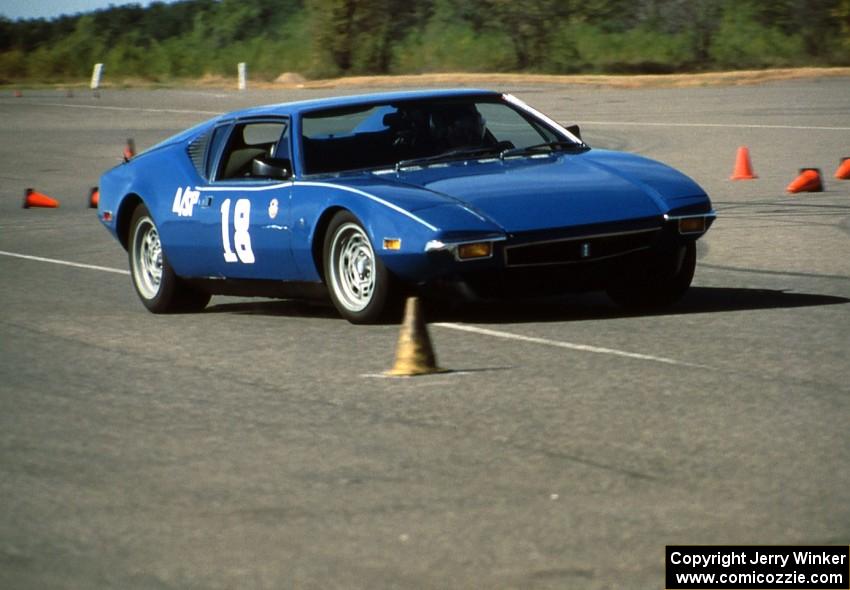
[451,155]
[549,146]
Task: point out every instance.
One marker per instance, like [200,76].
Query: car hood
[531,193]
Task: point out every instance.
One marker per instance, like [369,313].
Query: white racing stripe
[65,263]
[244,189]
[356,191]
[568,345]
[719,125]
[342,187]
[445,325]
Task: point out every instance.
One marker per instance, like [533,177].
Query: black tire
[359,285]
[660,284]
[160,290]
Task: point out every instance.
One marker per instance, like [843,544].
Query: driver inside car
[457,126]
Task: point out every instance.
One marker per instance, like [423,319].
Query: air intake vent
[197,150]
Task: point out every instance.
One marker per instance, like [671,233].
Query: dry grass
[455,79]
[504,80]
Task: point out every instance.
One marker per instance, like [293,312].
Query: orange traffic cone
[94,197]
[34,199]
[414,354]
[743,167]
[809,181]
[843,172]
[18,94]
[129,149]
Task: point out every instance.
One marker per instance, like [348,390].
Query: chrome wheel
[147,258]
[360,286]
[352,267]
[156,283]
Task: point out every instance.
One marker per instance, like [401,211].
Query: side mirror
[574,129]
[276,168]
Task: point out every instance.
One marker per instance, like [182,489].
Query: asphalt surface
[255,446]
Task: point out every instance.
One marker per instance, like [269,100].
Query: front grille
[581,249]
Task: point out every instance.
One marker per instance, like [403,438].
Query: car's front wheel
[358,282]
[661,283]
[160,290]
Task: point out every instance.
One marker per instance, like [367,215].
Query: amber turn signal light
[475,250]
[692,225]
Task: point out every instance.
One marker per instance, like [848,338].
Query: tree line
[323,38]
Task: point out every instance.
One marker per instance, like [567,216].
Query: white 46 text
[185,201]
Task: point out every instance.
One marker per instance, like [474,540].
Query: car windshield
[420,133]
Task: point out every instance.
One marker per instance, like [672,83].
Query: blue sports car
[361,198]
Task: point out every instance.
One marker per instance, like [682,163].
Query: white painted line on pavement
[65,263]
[445,373]
[568,345]
[107,108]
[446,325]
[719,125]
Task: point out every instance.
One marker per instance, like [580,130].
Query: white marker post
[96,74]
[243,75]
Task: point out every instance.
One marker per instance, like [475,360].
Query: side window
[249,141]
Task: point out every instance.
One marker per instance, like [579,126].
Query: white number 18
[241,237]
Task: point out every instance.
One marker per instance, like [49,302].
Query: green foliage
[355,36]
[286,51]
[582,47]
[319,38]
[453,48]
[13,65]
[76,52]
[841,13]
[743,42]
[526,25]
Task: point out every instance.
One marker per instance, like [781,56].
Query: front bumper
[550,262]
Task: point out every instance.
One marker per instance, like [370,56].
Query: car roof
[292,108]
[288,109]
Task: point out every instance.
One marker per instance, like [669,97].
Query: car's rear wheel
[160,290]
[661,283]
[358,282]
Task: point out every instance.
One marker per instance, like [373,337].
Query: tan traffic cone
[414,354]
[743,167]
[34,199]
[809,181]
[94,197]
[843,172]
[129,149]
